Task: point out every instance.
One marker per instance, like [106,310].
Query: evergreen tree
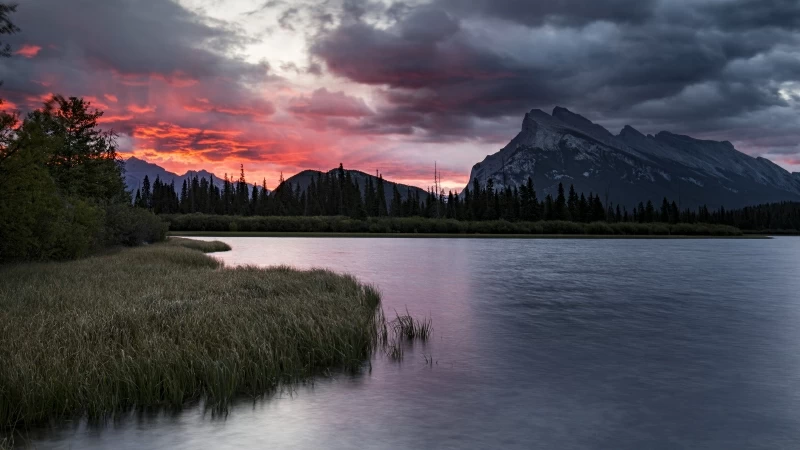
[560,206]
[146,198]
[572,204]
[381,198]
[665,209]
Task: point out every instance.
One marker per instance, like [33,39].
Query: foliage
[83,160]
[132,226]
[336,194]
[63,191]
[339,224]
[6,27]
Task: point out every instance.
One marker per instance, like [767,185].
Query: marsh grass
[162,325]
[410,328]
[203,246]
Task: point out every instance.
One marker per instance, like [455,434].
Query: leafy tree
[83,161]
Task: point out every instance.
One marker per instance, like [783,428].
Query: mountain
[303,179]
[136,169]
[631,167]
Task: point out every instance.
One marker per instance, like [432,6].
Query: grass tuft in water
[409,328]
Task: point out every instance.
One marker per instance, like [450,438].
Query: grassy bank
[418,225]
[161,325]
[222,234]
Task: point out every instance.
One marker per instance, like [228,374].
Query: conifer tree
[560,206]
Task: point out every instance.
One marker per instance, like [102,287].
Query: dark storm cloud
[83,42]
[692,65]
[749,14]
[567,12]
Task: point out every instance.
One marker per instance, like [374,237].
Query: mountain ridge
[303,179]
[136,169]
[632,167]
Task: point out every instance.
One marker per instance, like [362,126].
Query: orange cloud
[28,51]
[113,119]
[141,109]
[95,102]
[254,108]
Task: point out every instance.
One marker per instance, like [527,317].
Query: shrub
[411,225]
[129,226]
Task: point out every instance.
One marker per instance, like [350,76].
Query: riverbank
[224,234]
[162,325]
[325,225]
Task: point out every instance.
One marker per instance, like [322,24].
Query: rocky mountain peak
[630,167]
[630,132]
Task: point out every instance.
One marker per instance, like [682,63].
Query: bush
[129,226]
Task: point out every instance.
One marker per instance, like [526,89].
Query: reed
[164,324]
[405,326]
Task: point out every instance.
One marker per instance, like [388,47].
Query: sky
[280,86]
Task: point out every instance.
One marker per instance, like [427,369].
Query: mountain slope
[631,167]
[136,169]
[303,179]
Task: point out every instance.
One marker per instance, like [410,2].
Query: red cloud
[255,108]
[141,109]
[176,79]
[28,51]
[111,97]
[8,106]
[96,103]
[114,119]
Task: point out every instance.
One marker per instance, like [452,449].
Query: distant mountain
[303,179]
[631,167]
[136,169]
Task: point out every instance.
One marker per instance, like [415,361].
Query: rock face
[631,167]
[136,169]
[303,179]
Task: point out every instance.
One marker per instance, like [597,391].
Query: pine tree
[146,198]
[381,198]
[664,216]
[560,206]
[572,204]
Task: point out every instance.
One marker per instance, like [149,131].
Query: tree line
[334,193]
[337,193]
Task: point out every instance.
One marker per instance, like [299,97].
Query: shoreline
[315,234]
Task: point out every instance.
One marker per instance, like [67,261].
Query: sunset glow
[286,86]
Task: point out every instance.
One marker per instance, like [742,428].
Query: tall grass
[161,325]
[203,246]
[338,224]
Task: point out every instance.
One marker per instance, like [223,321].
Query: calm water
[538,344]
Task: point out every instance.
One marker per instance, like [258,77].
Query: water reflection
[538,344]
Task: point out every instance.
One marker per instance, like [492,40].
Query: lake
[537,343]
